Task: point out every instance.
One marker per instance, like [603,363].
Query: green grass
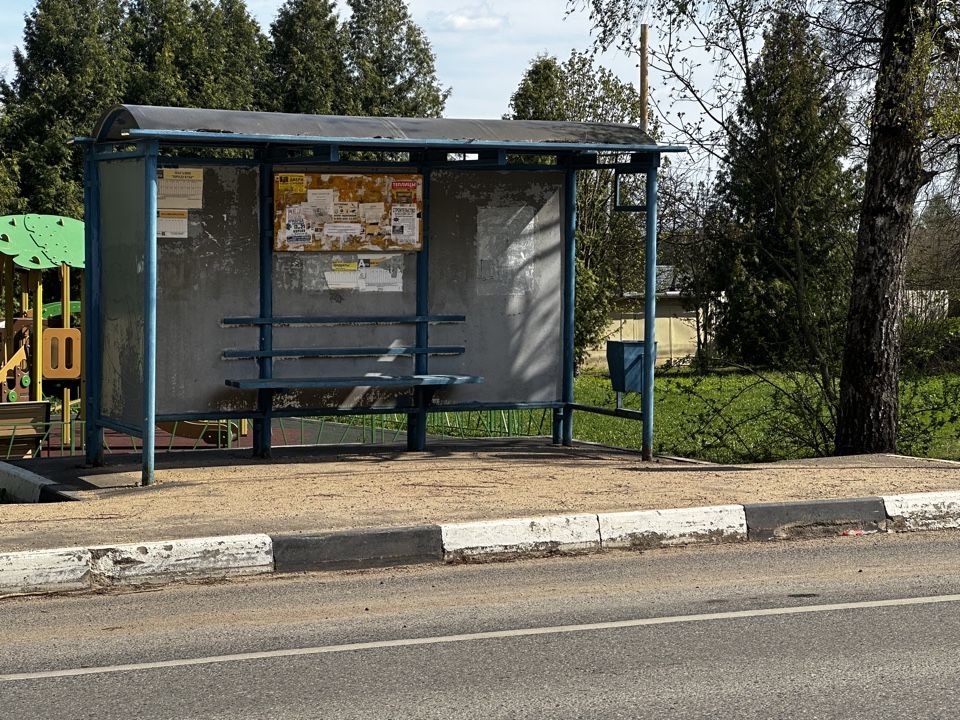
[691,416]
[743,417]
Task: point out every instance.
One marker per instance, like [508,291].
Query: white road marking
[491,635]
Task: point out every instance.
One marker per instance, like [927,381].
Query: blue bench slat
[344,320]
[343,352]
[356,381]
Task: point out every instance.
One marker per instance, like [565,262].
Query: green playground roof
[40,242]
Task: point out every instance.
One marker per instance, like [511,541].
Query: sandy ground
[213,493]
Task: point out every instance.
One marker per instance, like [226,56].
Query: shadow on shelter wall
[496,256]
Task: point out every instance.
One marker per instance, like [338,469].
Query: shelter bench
[423,384]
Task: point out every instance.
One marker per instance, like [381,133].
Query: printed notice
[172,223]
[367,273]
[297,228]
[180,188]
[404,224]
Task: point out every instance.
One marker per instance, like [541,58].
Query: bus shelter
[247,265]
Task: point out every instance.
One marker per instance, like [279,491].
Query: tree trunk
[869,400]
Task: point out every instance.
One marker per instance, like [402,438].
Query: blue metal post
[263,427]
[417,421]
[92,362]
[151,150]
[650,309]
[569,299]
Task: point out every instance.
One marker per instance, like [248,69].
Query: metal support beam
[417,420]
[151,151]
[263,426]
[650,310]
[569,300]
[91,361]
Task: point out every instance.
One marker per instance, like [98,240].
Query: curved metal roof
[123,122]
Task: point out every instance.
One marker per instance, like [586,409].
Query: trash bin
[625,362]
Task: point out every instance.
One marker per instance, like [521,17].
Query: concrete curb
[815,518]
[135,564]
[520,536]
[682,526]
[23,486]
[923,511]
[378,547]
[217,557]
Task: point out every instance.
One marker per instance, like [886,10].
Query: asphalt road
[842,628]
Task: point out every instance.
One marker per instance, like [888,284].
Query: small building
[676,325]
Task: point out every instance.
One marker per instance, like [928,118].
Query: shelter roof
[127,122]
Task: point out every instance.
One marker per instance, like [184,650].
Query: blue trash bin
[625,362]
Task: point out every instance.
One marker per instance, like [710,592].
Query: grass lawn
[741,417]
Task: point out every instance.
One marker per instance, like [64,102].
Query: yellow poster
[295,183]
[327,212]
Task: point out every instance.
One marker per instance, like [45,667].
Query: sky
[482,46]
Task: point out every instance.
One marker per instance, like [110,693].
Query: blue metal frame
[92,361]
[339,352]
[341,411]
[569,301]
[151,151]
[345,320]
[417,421]
[650,310]
[263,428]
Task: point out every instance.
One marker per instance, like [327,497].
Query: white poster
[171,223]
[404,224]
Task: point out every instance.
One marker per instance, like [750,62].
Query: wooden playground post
[65,413]
[8,307]
[83,362]
[36,372]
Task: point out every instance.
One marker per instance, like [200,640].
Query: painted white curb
[681,526]
[21,485]
[176,559]
[79,568]
[924,511]
[44,570]
[563,533]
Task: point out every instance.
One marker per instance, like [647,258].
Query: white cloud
[473,19]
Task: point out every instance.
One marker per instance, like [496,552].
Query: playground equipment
[30,247]
[43,348]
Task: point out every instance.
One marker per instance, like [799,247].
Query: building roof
[128,122]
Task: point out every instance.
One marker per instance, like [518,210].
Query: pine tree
[195,54]
[162,43]
[541,94]
[390,62]
[307,59]
[782,257]
[72,65]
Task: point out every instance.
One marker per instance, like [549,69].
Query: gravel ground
[214,493]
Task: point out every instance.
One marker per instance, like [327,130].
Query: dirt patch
[226,493]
